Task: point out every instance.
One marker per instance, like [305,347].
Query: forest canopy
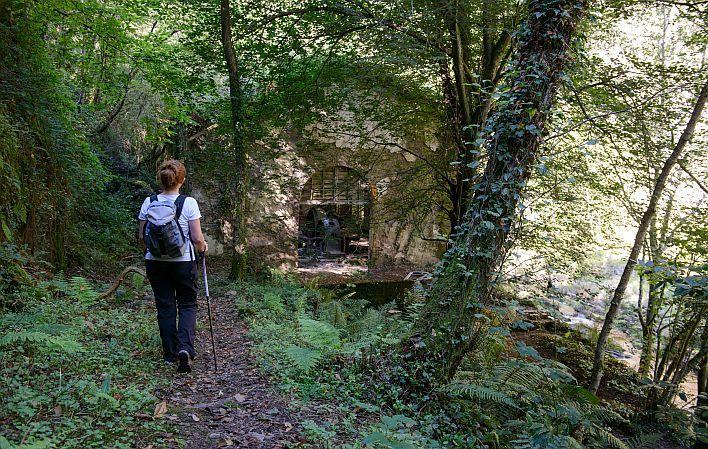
[450,223]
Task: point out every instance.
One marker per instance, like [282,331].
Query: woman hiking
[171,233]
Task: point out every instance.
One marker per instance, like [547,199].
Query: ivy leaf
[523,325]
[527,351]
[496,330]
[106,384]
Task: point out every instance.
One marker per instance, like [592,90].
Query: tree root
[131,269]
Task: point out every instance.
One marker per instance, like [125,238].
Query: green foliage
[74,376]
[13,212]
[319,334]
[501,399]
[535,404]
[397,432]
[481,393]
[304,358]
[54,185]
[76,288]
[45,342]
[17,286]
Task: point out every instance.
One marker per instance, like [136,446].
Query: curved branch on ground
[121,277]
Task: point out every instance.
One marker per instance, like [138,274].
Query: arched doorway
[335,207]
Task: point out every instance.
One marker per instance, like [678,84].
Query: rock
[214,436]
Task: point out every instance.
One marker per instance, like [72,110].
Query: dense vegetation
[558,143]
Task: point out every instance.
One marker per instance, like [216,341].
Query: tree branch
[696,180]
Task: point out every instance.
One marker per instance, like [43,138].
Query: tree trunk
[702,409]
[239,181]
[702,400]
[467,111]
[648,330]
[661,181]
[453,320]
[646,358]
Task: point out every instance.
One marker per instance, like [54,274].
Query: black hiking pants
[175,288]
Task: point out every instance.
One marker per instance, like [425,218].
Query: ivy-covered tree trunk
[454,321]
[238,190]
[644,223]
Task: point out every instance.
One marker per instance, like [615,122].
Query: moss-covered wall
[274,204]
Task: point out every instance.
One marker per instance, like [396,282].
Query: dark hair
[171,173]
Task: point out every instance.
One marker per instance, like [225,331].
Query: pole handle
[204,275]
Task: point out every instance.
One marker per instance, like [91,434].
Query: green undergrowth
[75,372]
[335,353]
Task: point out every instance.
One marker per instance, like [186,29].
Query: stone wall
[277,185]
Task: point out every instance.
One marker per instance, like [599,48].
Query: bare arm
[195,233]
[141,234]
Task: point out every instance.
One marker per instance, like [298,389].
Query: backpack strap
[179,204]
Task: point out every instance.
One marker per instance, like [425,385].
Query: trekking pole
[206,292]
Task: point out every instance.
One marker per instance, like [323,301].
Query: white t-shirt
[190,211]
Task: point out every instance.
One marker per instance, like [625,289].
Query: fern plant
[81,290]
[40,340]
[305,359]
[539,404]
[319,334]
[316,338]
[76,288]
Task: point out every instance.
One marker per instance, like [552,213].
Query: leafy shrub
[73,379]
[17,286]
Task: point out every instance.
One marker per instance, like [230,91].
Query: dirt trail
[235,407]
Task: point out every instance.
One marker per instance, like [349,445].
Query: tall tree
[238,187]
[453,320]
[468,94]
[447,56]
[644,223]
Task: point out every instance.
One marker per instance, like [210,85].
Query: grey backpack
[163,235]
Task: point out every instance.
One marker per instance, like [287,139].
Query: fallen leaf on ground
[160,410]
[225,442]
[238,397]
[257,436]
[195,418]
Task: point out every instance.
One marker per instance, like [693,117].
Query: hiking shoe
[183,365]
